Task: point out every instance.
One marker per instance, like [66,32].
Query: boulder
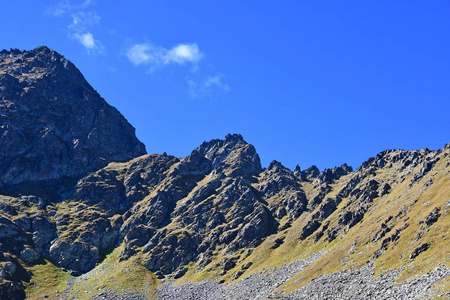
[29,256]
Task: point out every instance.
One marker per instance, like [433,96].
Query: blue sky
[306,82]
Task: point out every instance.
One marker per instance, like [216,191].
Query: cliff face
[130,220]
[54,125]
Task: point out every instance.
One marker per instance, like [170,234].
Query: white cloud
[79,30]
[156,56]
[65,7]
[82,22]
[184,53]
[207,87]
[143,53]
[217,81]
[87,40]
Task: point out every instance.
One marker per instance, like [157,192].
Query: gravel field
[349,284]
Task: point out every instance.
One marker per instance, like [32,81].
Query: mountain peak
[39,64]
[232,153]
[52,113]
[234,138]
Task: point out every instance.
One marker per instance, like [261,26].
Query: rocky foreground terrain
[85,213]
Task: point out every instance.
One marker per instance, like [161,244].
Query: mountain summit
[86,214]
[54,125]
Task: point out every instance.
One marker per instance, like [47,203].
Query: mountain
[54,125]
[85,213]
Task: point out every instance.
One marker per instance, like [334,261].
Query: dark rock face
[426,167]
[54,125]
[278,182]
[387,241]
[433,216]
[310,173]
[384,190]
[330,175]
[418,250]
[28,255]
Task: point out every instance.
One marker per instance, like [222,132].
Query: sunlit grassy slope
[111,277]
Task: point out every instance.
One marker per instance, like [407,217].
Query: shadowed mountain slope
[54,125]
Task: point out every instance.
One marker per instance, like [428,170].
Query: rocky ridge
[82,201]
